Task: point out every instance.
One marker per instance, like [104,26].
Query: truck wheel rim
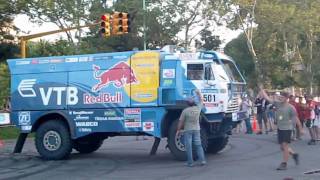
[179,142]
[52,141]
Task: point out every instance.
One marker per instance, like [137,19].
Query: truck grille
[233,105]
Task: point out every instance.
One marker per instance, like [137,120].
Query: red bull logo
[119,75]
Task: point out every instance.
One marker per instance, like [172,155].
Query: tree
[210,42]
[63,13]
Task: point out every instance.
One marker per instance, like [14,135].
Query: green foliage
[211,42]
[238,49]
[45,48]
[286,32]
[9,133]
[4,84]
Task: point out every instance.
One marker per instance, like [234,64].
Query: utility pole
[144,25]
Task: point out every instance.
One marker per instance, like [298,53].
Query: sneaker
[203,163]
[295,157]
[282,166]
[189,165]
[312,142]
[259,133]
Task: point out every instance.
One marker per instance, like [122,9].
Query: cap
[191,101]
[285,94]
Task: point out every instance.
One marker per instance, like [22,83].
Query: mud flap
[155,146]
[226,126]
[20,142]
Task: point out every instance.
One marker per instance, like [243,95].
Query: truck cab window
[195,71]
[208,75]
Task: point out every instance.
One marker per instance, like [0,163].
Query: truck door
[200,76]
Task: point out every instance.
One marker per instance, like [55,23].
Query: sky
[27,27]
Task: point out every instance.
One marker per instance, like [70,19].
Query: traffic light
[125,23]
[105,25]
[120,23]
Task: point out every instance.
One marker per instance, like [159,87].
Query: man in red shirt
[310,117]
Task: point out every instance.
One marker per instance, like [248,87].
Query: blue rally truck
[76,102]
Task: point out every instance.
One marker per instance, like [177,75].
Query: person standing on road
[261,116]
[189,121]
[246,107]
[310,117]
[285,114]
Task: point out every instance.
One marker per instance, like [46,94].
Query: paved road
[246,157]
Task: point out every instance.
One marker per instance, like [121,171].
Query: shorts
[316,122]
[309,123]
[284,136]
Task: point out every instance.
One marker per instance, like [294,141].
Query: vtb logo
[119,75]
[26,89]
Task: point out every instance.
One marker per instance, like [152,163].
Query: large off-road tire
[217,144]
[87,146]
[175,143]
[53,141]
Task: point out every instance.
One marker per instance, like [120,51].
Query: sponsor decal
[108,118]
[24,118]
[143,95]
[85,129]
[79,117]
[71,60]
[110,112]
[44,61]
[102,58]
[26,128]
[102,98]
[209,90]
[145,65]
[22,62]
[188,56]
[84,59]
[133,111]
[80,112]
[25,88]
[71,95]
[87,124]
[119,76]
[109,115]
[168,73]
[34,61]
[132,118]
[167,82]
[56,60]
[120,57]
[132,123]
[211,104]
[148,126]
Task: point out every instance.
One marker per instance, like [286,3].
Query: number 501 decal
[209,98]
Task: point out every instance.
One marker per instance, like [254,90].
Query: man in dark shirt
[260,103]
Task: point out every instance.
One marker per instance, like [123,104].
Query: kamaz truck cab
[76,102]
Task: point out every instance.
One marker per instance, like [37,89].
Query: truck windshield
[232,71]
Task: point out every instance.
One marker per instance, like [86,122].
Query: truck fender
[55,115]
